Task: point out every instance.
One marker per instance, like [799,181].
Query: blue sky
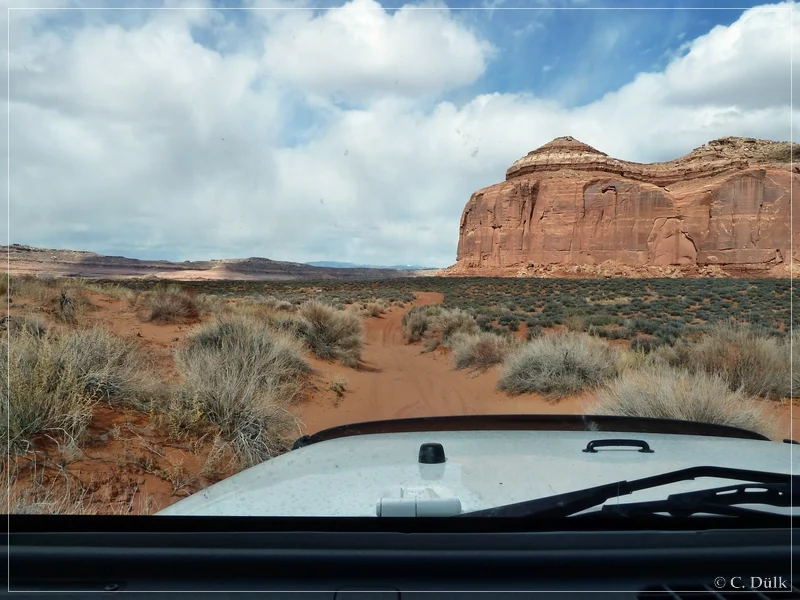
[356,134]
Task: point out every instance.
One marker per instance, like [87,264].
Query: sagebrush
[558,365]
[664,392]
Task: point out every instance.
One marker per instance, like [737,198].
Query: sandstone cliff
[725,204]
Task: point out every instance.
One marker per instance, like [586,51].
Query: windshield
[230,230]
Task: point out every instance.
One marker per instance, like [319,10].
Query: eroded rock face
[726,203]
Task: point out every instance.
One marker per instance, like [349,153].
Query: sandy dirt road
[397,380]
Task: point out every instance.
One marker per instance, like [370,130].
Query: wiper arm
[718,501]
[564,505]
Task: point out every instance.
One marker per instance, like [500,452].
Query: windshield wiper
[564,505]
[717,501]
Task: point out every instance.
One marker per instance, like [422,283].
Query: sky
[354,131]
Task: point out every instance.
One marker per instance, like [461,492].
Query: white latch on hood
[418,502]
[418,507]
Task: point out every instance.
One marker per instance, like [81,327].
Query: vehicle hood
[349,476]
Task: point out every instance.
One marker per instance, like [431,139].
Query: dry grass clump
[292,323]
[628,359]
[240,374]
[448,322]
[558,365]
[663,392]
[278,304]
[55,379]
[417,320]
[209,304]
[479,350]
[19,325]
[48,498]
[39,289]
[575,323]
[374,309]
[169,305]
[332,334]
[264,306]
[757,364]
[430,320]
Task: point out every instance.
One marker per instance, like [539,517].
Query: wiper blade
[564,505]
[717,501]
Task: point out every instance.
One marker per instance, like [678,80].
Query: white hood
[349,476]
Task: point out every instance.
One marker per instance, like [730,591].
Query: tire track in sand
[396,380]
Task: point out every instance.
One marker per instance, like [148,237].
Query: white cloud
[138,139]
[362,51]
[746,64]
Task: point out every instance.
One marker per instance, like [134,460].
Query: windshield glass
[232,229]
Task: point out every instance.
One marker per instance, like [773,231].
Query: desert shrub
[746,358]
[278,304]
[479,350]
[133,297]
[54,380]
[534,331]
[484,323]
[663,392]
[292,323]
[451,321]
[112,368]
[602,319]
[416,321]
[574,323]
[66,309]
[644,344]
[19,325]
[510,321]
[333,334]
[209,304]
[557,365]
[627,359]
[38,289]
[374,309]
[240,375]
[169,306]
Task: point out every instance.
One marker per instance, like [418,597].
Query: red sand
[136,467]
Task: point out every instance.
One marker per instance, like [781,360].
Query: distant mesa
[726,204]
[24,259]
[349,265]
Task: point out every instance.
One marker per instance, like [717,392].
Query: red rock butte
[726,203]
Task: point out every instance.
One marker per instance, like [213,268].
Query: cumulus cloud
[362,51]
[745,65]
[176,135]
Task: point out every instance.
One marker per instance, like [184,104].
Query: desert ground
[128,395]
